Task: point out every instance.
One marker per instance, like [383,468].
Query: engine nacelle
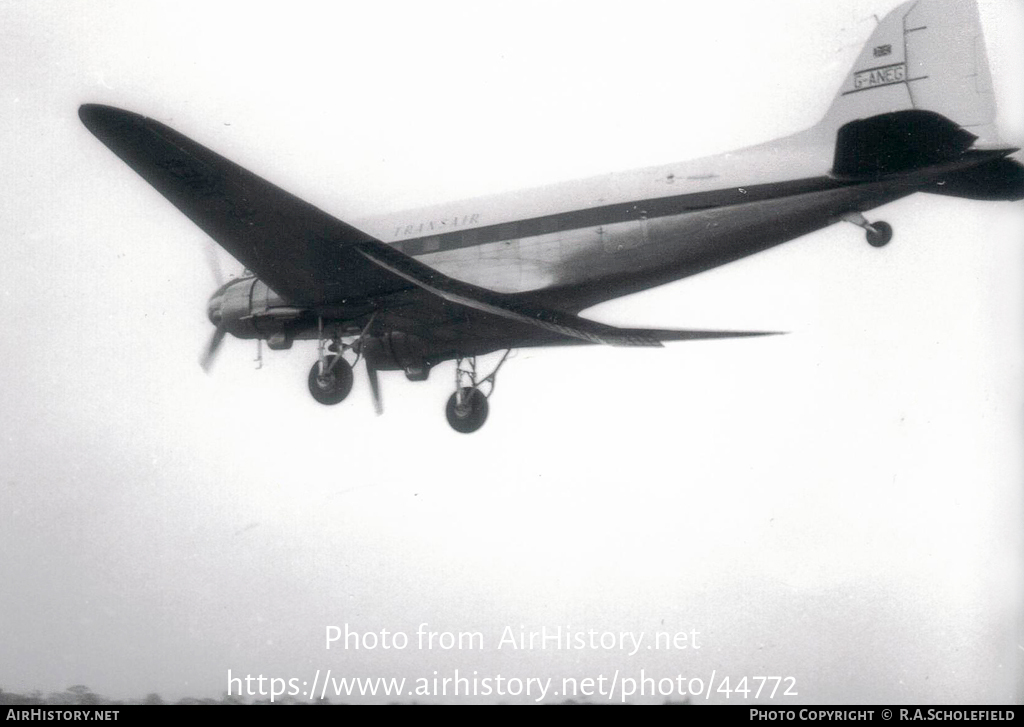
[397,351]
[247,308]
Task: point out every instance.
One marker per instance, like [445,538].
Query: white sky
[841,504]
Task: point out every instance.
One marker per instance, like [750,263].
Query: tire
[880,234]
[475,415]
[333,388]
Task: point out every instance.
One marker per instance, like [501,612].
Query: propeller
[371,375]
[210,353]
[213,261]
[206,360]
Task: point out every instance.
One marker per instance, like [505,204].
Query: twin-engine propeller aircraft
[915,114]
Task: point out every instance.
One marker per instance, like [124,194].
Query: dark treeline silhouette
[80,695]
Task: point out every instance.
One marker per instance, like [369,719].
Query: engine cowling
[247,308]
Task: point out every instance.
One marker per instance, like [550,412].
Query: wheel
[879,234]
[473,413]
[333,387]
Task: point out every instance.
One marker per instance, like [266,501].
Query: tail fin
[926,55]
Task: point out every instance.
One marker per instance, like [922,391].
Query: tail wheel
[471,414]
[334,384]
[879,234]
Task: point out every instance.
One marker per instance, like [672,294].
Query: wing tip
[101,119]
[704,335]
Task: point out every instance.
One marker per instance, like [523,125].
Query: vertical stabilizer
[926,55]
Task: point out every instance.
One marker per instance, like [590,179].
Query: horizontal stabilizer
[1000,180]
[512,308]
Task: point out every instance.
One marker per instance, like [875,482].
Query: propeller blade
[206,360]
[371,374]
[213,260]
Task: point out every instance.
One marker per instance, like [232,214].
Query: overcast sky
[841,504]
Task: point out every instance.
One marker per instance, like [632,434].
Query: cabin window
[507,232]
[431,244]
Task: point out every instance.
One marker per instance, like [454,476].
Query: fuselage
[579,243]
[573,245]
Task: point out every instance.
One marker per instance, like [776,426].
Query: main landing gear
[878,234]
[330,379]
[467,408]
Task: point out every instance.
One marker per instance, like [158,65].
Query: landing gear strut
[878,233]
[330,379]
[467,408]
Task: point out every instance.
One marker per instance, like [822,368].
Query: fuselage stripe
[646,209]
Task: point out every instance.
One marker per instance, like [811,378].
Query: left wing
[300,251]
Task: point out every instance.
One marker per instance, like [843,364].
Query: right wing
[515,308]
